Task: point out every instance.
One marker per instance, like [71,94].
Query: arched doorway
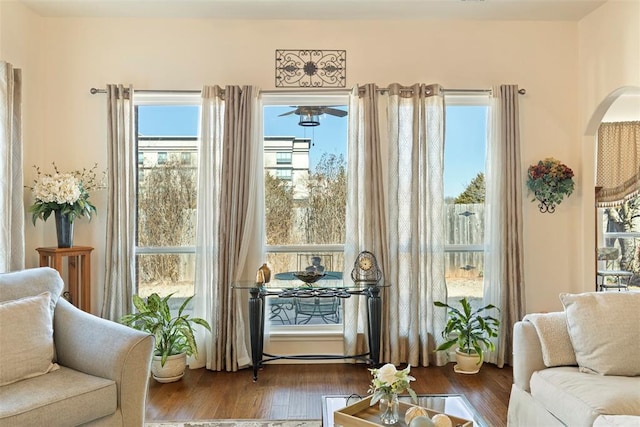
[617,224]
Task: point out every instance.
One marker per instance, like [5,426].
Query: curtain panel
[12,244]
[230,218]
[504,258]
[395,210]
[618,167]
[121,203]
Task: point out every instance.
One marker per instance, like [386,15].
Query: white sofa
[579,367]
[60,366]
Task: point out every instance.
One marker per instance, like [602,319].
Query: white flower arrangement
[64,192]
[388,380]
[57,188]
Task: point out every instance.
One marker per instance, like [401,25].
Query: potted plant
[550,181]
[174,334]
[472,331]
[66,195]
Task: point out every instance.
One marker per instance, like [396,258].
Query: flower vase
[64,230]
[389,405]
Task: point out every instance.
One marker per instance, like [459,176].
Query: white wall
[542,57]
[20,36]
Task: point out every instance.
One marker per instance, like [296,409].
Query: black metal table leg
[375,322]
[256,329]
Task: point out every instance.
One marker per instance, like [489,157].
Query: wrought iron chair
[279,310]
[621,277]
[327,309]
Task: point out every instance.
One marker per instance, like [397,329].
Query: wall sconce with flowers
[550,181]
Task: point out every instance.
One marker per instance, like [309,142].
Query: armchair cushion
[601,342]
[26,338]
[65,397]
[30,282]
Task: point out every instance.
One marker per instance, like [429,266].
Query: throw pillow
[557,349]
[603,331]
[26,338]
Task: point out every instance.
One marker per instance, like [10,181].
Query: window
[167,128]
[619,228]
[283,158]
[305,201]
[284,174]
[464,186]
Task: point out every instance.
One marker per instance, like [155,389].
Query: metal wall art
[311,68]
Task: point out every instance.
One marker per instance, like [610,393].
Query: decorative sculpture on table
[263,275]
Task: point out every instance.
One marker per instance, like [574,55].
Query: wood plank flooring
[295,391]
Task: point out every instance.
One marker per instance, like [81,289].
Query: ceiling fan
[310,115]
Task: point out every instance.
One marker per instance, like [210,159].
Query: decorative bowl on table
[309,276]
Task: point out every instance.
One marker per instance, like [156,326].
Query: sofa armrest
[106,349]
[527,354]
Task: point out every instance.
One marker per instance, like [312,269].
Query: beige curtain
[395,209]
[504,259]
[229,213]
[121,204]
[11,181]
[618,168]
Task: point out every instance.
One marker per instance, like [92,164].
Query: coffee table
[452,404]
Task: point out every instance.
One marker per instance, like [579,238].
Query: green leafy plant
[174,334]
[468,328]
[550,181]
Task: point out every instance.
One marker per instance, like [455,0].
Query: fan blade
[288,113]
[334,111]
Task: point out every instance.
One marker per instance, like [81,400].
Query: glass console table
[259,292]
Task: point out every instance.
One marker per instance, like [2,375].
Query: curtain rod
[93,91]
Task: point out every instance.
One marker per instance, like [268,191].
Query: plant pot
[467,363]
[172,370]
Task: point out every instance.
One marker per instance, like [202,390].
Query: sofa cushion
[557,349]
[26,338]
[62,398]
[617,421]
[577,399]
[602,327]
[30,282]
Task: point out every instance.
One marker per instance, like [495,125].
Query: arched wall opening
[622,104]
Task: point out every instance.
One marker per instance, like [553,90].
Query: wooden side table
[79,281]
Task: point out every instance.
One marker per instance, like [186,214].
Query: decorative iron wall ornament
[311,68]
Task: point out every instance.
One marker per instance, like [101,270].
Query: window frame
[469,100]
[326,98]
[160,98]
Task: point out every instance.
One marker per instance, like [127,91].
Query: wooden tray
[362,414]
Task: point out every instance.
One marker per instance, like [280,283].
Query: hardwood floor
[295,391]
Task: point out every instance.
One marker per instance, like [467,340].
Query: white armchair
[103,366]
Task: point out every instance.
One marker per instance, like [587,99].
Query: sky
[465,134]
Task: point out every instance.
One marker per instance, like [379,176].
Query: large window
[305,201]
[167,129]
[464,187]
[619,229]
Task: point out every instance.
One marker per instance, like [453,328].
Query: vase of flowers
[67,196]
[386,385]
[550,181]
